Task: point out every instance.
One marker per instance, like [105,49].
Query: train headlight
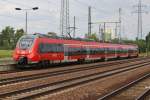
[29,51]
[18,51]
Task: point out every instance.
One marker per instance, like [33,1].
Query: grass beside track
[6,53]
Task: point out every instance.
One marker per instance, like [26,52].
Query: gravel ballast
[95,89]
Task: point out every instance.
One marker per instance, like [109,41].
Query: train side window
[43,48]
[40,48]
[76,51]
[46,48]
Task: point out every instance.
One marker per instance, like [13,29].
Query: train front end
[26,50]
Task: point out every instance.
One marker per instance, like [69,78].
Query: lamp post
[26,20]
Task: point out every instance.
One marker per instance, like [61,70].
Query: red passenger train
[38,48]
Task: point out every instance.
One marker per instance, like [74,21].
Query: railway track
[131,91]
[13,70]
[51,87]
[145,95]
[7,65]
[58,72]
[8,71]
[12,67]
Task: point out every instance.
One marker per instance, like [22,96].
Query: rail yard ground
[6,57]
[90,81]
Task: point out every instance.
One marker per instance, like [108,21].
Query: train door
[106,54]
[88,52]
[116,53]
[65,52]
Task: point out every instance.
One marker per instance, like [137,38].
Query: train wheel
[23,66]
[118,57]
[103,59]
[44,64]
[47,63]
[81,60]
[41,64]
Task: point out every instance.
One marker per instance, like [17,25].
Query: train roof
[82,41]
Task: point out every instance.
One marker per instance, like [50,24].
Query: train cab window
[26,42]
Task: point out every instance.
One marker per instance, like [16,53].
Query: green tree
[93,36]
[18,34]
[7,36]
[142,45]
[148,41]
[115,40]
[1,42]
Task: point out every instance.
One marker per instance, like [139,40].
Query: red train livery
[42,48]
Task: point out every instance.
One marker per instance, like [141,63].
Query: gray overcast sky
[47,18]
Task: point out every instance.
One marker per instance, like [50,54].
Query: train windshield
[26,42]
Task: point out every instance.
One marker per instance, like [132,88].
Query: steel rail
[115,92]
[144,95]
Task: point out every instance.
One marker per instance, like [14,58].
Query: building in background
[108,35]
